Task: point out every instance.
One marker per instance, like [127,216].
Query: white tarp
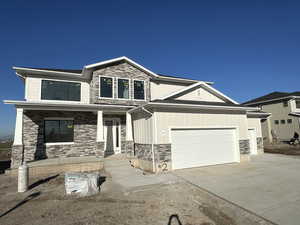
[82,184]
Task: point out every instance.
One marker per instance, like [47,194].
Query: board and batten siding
[142,127]
[255,123]
[167,120]
[33,89]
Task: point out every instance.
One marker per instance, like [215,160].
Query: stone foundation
[129,149]
[162,157]
[244,146]
[260,145]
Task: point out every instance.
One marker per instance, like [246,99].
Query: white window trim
[59,143]
[117,88]
[70,81]
[133,91]
[113,87]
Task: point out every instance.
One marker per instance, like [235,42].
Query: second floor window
[139,91]
[298,104]
[123,88]
[106,87]
[285,104]
[59,90]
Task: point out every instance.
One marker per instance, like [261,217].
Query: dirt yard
[283,148]
[172,203]
[46,203]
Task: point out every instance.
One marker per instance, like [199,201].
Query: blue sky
[248,48]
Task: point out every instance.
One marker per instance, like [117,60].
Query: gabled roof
[274,96]
[198,84]
[87,71]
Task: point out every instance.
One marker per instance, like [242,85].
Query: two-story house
[119,106]
[285,110]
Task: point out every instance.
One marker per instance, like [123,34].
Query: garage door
[203,147]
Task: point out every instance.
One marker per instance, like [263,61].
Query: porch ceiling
[63,106]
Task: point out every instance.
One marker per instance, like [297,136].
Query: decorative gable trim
[88,68]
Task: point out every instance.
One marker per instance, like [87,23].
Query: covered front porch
[71,131]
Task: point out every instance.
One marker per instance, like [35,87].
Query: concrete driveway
[269,185]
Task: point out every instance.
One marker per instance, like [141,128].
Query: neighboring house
[285,110]
[119,106]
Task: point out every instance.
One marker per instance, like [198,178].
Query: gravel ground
[46,203]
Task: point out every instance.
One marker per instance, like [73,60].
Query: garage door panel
[202,147]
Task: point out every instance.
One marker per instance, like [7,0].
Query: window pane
[298,104]
[59,131]
[51,130]
[282,121]
[123,88]
[139,90]
[58,90]
[66,131]
[106,85]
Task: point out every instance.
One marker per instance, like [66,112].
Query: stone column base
[16,155]
[130,149]
[99,149]
[244,150]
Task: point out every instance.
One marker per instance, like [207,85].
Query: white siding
[33,89]
[142,128]
[255,123]
[200,94]
[161,89]
[167,120]
[283,131]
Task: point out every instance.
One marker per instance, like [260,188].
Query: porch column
[128,127]
[129,136]
[18,140]
[17,148]
[100,135]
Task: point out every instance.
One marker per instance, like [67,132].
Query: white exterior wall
[167,120]
[283,131]
[200,94]
[33,89]
[164,88]
[255,123]
[142,128]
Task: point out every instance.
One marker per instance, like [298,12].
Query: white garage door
[203,147]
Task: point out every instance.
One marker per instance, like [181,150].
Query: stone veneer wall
[85,130]
[244,146]
[260,145]
[163,157]
[120,70]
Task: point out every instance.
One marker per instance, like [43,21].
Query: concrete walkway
[269,185]
[128,177]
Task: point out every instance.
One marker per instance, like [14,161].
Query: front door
[112,134]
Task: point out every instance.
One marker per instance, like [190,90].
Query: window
[285,104]
[298,104]
[123,88]
[106,87]
[59,131]
[276,121]
[282,121]
[59,90]
[139,92]
[289,121]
